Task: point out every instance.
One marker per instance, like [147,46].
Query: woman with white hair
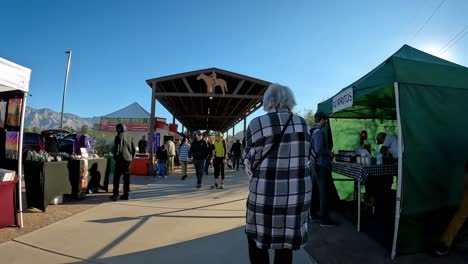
[277,151]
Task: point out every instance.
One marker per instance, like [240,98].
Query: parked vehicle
[59,140]
[33,141]
[66,143]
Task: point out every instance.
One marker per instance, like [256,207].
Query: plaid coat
[280,188]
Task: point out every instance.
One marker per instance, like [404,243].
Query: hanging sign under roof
[343,100]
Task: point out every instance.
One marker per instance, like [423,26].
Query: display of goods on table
[346,156]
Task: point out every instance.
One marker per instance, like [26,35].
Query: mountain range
[46,119]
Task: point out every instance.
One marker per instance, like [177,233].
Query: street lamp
[69,52]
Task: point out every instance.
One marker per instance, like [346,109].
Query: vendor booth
[427,98]
[14,86]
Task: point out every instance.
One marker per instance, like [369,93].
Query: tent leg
[359,206]
[400,171]
[20,160]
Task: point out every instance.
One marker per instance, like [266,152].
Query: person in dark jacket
[142,145]
[161,156]
[235,153]
[124,151]
[199,153]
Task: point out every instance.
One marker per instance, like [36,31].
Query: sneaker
[328,223]
[221,186]
[184,177]
[114,197]
[165,177]
[442,249]
[215,186]
[123,197]
[198,186]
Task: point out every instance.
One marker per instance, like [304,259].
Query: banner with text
[138,124]
[343,100]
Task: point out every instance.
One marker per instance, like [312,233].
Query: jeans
[122,167]
[235,162]
[162,170]
[320,191]
[260,256]
[199,169]
[183,166]
[206,165]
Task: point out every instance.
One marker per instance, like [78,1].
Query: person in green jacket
[124,151]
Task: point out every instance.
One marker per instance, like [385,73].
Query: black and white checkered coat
[280,188]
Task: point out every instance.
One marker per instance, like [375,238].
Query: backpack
[313,129]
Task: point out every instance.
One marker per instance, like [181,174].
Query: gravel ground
[35,219]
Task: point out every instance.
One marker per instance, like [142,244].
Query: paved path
[168,221]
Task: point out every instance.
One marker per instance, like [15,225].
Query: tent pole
[400,171]
[152,124]
[20,159]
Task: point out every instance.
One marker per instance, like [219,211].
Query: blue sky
[314,47]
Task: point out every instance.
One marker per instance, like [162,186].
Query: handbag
[277,139]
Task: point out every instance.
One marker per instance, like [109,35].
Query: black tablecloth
[44,181]
[361,172]
[75,174]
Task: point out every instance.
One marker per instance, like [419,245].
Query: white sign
[343,100]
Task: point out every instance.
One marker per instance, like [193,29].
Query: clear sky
[314,47]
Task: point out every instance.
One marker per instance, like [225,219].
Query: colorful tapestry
[11,145]
[14,112]
[3,105]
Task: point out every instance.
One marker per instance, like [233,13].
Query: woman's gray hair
[278,96]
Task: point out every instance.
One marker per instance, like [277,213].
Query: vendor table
[360,172]
[139,166]
[44,181]
[109,170]
[8,203]
[79,172]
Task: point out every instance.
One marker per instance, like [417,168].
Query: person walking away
[184,149]
[161,156]
[142,145]
[235,153]
[171,152]
[199,153]
[321,175]
[219,159]
[80,141]
[277,148]
[210,153]
[457,220]
[124,151]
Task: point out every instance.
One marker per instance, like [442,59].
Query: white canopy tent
[14,77]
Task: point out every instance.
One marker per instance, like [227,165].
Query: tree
[36,130]
[308,115]
[27,129]
[86,130]
[70,129]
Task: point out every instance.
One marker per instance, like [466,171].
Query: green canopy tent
[428,98]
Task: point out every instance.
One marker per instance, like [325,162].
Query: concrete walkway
[168,221]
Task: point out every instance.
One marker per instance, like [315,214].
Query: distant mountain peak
[46,118]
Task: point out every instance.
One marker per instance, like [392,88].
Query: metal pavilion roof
[190,101]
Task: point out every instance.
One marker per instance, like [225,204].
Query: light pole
[69,52]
